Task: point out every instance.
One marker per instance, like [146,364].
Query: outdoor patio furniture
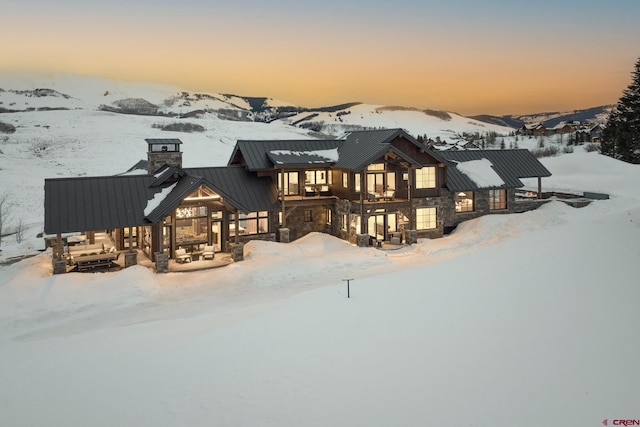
[92,262]
[208,252]
[182,256]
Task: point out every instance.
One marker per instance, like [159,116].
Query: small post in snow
[348,281]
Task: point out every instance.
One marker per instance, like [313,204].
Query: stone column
[362,240]
[59,266]
[162,262]
[237,251]
[411,237]
[284,235]
[130,258]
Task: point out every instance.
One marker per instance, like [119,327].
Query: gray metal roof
[358,150]
[296,158]
[361,148]
[510,165]
[256,153]
[101,203]
[244,189]
[95,203]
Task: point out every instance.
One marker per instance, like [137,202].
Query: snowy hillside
[527,319]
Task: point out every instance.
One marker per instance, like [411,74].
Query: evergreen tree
[621,136]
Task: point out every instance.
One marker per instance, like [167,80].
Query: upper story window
[290,186]
[345,179]
[315,177]
[356,179]
[426,177]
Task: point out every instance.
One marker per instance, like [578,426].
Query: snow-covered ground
[527,319]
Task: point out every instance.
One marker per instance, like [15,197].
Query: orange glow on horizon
[414,66]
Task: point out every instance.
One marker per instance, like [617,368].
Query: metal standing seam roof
[256,153]
[95,203]
[100,203]
[510,165]
[361,148]
[243,189]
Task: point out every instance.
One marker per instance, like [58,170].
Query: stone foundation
[284,235]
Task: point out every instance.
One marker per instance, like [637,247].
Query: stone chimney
[163,152]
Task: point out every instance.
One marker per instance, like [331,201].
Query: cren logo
[605,422]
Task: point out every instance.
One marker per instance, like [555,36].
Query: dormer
[163,152]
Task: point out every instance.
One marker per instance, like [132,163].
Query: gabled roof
[95,203]
[244,189]
[256,153]
[356,151]
[166,173]
[100,203]
[182,188]
[510,165]
[361,148]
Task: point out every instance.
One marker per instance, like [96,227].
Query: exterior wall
[297,225]
[432,202]
[480,207]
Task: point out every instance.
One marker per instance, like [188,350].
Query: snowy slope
[525,319]
[446,125]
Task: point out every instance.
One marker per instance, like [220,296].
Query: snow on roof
[323,156]
[481,172]
[158,198]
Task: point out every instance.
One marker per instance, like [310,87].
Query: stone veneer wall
[431,202]
[157,159]
[298,227]
[480,206]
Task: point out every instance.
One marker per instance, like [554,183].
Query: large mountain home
[379,187]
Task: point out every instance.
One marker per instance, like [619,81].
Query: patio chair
[208,252]
[182,256]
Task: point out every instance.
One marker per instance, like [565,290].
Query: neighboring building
[533,129]
[370,187]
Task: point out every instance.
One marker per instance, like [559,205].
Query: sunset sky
[467,56]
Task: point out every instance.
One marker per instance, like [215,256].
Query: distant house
[370,187]
[533,129]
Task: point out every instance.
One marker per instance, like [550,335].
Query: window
[356,178]
[345,222]
[290,186]
[307,215]
[464,201]
[426,177]
[191,225]
[376,167]
[497,199]
[329,216]
[251,223]
[426,218]
[345,179]
[315,177]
